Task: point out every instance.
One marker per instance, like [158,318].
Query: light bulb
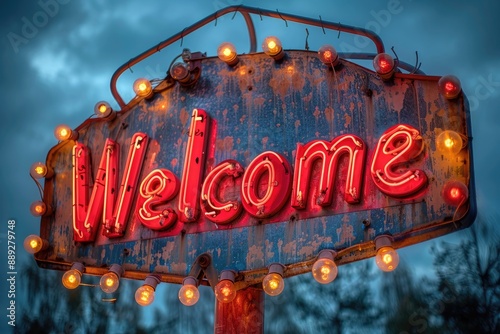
[449,86]
[273,284]
[387,258]
[145,295]
[227,53]
[272,47]
[454,193]
[64,132]
[225,291]
[33,244]
[189,294]
[38,208]
[142,88]
[328,55]
[103,110]
[72,278]
[180,72]
[40,170]
[325,270]
[384,65]
[449,142]
[109,282]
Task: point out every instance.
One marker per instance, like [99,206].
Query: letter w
[103,201]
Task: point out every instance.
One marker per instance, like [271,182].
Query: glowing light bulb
[387,259]
[103,110]
[455,193]
[180,72]
[384,65]
[39,170]
[449,142]
[38,208]
[328,55]
[325,270]
[449,86]
[145,295]
[273,284]
[225,291]
[272,47]
[189,294]
[33,244]
[72,278]
[110,281]
[64,132]
[142,88]
[227,53]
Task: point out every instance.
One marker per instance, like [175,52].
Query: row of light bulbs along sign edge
[324,269]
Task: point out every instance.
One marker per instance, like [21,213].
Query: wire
[40,188]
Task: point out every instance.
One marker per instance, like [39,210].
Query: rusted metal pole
[245,314]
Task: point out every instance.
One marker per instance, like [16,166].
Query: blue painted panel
[263,105]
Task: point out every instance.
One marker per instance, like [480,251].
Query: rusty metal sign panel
[264,161]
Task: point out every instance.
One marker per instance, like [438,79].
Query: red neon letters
[214,208]
[329,154]
[103,199]
[158,187]
[399,144]
[277,188]
[264,186]
[194,166]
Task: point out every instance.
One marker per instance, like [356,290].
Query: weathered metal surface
[262,105]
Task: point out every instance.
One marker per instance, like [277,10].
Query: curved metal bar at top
[245,11]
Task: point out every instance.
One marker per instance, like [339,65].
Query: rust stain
[312,249]
[259,101]
[184,116]
[297,125]
[178,267]
[167,251]
[348,120]
[264,142]
[255,257]
[329,114]
[345,233]
[290,248]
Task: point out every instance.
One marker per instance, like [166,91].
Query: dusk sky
[58,57]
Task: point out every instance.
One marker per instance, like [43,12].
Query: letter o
[277,184]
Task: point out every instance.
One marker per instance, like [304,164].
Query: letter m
[106,204]
[329,154]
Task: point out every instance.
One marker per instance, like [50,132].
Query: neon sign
[266,185]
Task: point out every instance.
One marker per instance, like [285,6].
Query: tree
[345,305]
[468,282]
[47,307]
